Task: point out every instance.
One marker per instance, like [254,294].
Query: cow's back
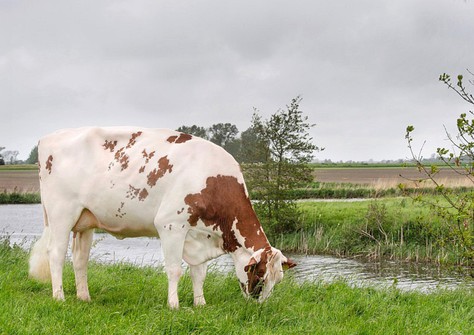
[124,174]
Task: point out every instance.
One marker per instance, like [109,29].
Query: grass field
[130,300]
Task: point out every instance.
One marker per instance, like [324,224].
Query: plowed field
[27,180]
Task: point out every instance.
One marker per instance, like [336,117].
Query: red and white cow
[149,182]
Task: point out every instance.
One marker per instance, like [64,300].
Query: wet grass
[130,300]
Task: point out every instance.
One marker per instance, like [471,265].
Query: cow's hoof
[200,301]
[83,297]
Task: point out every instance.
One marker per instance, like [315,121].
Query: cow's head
[263,271]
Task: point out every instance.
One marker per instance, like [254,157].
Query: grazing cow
[149,182]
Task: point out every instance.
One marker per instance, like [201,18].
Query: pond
[23,224]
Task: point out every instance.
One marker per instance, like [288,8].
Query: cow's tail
[39,260]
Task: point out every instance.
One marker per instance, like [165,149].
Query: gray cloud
[365,69]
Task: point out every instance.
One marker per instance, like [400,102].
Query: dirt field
[386,177]
[27,181]
[22,181]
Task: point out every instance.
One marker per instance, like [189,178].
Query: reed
[391,228]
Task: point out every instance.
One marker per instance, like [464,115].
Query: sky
[364,69]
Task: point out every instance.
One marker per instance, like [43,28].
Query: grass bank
[134,302]
[393,228]
[19,198]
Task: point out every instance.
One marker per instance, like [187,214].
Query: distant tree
[2,161]
[33,158]
[457,209]
[284,144]
[10,156]
[252,150]
[194,130]
[222,133]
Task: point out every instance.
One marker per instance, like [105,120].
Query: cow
[134,182]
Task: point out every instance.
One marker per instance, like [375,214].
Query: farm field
[384,177]
[25,179]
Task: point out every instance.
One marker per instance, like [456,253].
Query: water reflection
[23,224]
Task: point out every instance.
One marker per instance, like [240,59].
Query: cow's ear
[252,263]
[288,264]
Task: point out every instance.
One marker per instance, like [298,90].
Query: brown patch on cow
[147,156]
[179,139]
[133,139]
[132,192]
[222,203]
[119,211]
[141,170]
[49,163]
[122,158]
[163,167]
[173,138]
[142,195]
[109,145]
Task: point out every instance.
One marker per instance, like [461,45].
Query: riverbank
[388,228]
[135,303]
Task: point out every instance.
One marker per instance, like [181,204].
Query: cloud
[365,69]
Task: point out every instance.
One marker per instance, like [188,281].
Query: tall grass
[378,189]
[17,197]
[393,228]
[129,300]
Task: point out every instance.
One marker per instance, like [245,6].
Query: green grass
[19,198]
[130,300]
[394,228]
[20,167]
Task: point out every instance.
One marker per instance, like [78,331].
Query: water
[24,224]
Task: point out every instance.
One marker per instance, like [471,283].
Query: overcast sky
[365,69]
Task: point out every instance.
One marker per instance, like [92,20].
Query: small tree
[459,211]
[33,158]
[285,148]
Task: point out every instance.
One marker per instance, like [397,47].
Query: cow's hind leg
[81,246]
[198,274]
[61,221]
[57,249]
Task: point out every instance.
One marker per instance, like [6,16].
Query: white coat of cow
[149,182]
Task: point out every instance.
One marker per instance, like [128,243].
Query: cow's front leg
[198,274]
[174,272]
[172,243]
